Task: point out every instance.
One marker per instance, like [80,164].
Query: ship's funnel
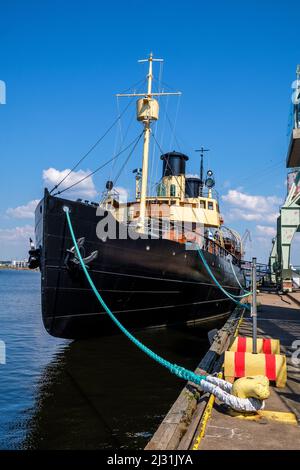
[173,163]
[192,187]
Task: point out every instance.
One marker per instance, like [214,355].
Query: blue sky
[63,63]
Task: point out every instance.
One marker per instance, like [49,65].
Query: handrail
[217,248]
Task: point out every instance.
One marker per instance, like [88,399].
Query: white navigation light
[209,182]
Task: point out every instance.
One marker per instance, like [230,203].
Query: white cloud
[238,214]
[259,204]
[263,241]
[271,217]
[255,209]
[86,188]
[17,234]
[252,207]
[14,242]
[23,212]
[265,230]
[123,193]
[260,247]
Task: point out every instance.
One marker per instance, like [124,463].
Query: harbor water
[99,393]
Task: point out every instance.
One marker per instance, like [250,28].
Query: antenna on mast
[202,150]
[298,72]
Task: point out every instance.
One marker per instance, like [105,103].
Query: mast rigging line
[179,184]
[118,118]
[159,89]
[135,141]
[165,84]
[124,136]
[175,176]
[119,147]
[167,163]
[171,125]
[127,159]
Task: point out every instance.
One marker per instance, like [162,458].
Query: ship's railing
[261,268]
[194,238]
[263,271]
[110,193]
[209,193]
[205,192]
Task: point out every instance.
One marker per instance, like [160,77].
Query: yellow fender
[243,364]
[263,345]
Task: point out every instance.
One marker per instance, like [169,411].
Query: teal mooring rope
[181,372]
[236,278]
[230,296]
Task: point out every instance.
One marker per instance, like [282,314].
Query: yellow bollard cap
[253,386]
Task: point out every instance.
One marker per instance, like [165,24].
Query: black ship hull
[145,282]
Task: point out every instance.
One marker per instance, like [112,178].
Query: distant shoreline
[12,268]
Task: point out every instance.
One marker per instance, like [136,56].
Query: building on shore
[14,264]
[17,264]
[5,263]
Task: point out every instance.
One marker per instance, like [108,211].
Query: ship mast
[201,150]
[147,111]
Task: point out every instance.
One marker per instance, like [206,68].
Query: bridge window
[173,190]
[210,206]
[202,204]
[161,190]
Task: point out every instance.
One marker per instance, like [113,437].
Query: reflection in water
[28,351]
[100,393]
[104,393]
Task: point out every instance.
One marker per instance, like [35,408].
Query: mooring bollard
[254,308]
[249,356]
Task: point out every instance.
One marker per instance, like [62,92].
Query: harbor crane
[288,222]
